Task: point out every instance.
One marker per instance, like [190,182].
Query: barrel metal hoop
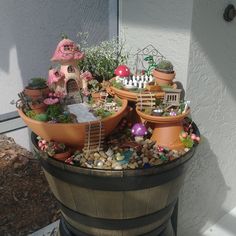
[125,183]
[69,230]
[117,224]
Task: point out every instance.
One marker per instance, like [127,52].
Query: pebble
[100,164]
[118,158]
[96,155]
[109,152]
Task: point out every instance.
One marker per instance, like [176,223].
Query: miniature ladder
[94,138]
[146,101]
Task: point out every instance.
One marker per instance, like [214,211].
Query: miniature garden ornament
[67,54]
[36,88]
[122,72]
[164,73]
[151,64]
[139,131]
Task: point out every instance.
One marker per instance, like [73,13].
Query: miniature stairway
[94,138]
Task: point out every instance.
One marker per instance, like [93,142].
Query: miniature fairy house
[67,54]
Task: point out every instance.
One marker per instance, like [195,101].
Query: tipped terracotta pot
[62,156]
[72,134]
[166,129]
[36,93]
[131,96]
[163,78]
[38,108]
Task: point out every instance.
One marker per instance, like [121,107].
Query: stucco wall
[29,33]
[30,30]
[164,24]
[210,188]
[202,47]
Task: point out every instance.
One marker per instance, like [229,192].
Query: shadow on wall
[35,27]
[198,205]
[211,88]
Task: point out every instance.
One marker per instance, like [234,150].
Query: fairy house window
[172,96]
[68,47]
[70,69]
[71,86]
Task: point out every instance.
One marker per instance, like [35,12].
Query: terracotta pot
[38,108]
[163,78]
[36,93]
[62,156]
[72,134]
[166,129]
[131,96]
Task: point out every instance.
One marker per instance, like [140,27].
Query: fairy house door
[73,92]
[71,87]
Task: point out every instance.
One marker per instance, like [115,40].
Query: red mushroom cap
[122,71]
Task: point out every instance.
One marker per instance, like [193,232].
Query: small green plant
[37,83]
[31,114]
[101,60]
[54,111]
[41,117]
[103,113]
[117,84]
[165,66]
[118,102]
[64,118]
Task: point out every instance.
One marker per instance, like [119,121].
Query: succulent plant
[165,66]
[37,83]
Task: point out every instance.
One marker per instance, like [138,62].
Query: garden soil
[26,203]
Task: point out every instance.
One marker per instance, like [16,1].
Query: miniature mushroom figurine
[122,72]
[139,130]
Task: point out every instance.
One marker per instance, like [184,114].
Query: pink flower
[50,101]
[87,76]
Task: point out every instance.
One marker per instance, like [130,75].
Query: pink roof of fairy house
[67,50]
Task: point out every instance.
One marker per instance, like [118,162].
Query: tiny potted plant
[164,73]
[56,150]
[36,88]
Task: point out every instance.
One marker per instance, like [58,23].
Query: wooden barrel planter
[115,202]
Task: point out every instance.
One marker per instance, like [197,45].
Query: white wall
[210,188]
[164,24]
[29,33]
[202,47]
